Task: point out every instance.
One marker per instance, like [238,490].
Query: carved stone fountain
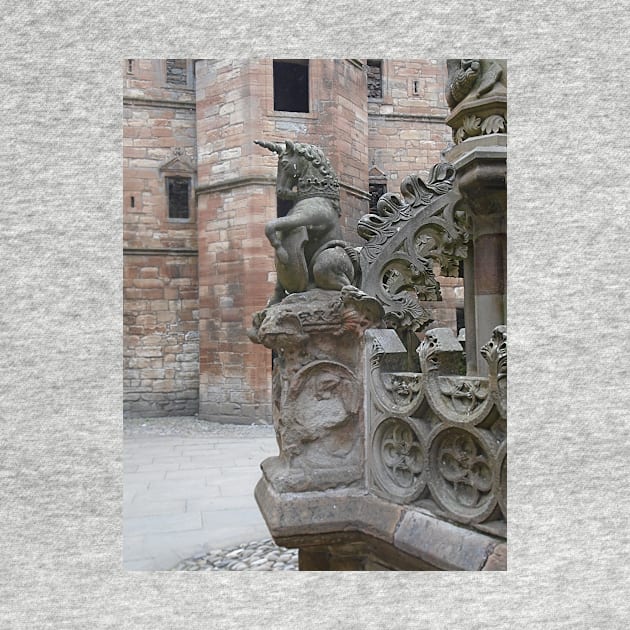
[381,465]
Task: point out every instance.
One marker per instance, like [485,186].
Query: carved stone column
[477,94]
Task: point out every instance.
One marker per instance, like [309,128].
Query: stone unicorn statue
[309,250]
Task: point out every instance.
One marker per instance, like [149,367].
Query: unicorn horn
[272,146]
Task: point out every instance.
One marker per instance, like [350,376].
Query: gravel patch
[259,555]
[191,426]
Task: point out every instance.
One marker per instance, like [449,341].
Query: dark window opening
[177,71]
[375,78]
[178,189]
[133,202]
[377,190]
[129,66]
[416,87]
[283,206]
[459,314]
[460,269]
[290,86]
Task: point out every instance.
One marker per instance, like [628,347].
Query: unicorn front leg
[271,232]
[277,230]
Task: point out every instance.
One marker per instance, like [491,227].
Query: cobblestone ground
[259,555]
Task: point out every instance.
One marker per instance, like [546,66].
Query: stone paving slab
[189,488]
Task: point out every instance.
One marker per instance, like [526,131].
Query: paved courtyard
[189,488]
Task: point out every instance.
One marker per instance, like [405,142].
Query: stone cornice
[261,180]
[235,182]
[355,192]
[159,251]
[356,62]
[135,101]
[426,118]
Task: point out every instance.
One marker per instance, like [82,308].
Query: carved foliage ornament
[473,126]
[406,238]
[392,212]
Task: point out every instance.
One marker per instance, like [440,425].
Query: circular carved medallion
[461,466]
[398,459]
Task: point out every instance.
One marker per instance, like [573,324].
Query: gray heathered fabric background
[61,272]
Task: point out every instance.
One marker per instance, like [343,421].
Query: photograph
[314,314]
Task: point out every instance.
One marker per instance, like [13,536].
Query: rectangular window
[290,85]
[375,78]
[377,190]
[178,189]
[177,72]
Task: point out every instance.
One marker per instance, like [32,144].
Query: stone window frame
[178,167]
[377,99]
[167,179]
[313,91]
[190,85]
[299,63]
[377,177]
[387,70]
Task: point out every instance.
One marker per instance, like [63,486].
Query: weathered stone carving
[378,228]
[440,442]
[462,74]
[456,399]
[314,322]
[477,93]
[500,478]
[310,252]
[473,126]
[462,461]
[405,239]
[354,422]
[399,458]
[317,394]
[495,353]
[392,391]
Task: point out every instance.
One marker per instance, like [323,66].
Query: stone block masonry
[185,328]
[407,128]
[161,335]
[236,198]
